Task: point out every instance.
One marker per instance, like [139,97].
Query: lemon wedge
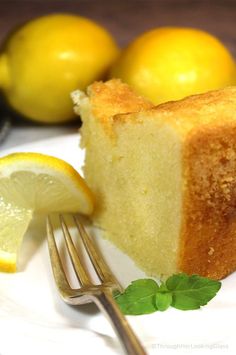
[35,183]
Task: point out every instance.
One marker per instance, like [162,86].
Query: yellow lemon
[170,63]
[35,183]
[49,57]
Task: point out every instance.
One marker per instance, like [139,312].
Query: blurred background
[125,19]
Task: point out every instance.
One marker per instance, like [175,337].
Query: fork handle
[109,307]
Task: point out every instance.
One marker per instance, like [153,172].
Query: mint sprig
[180,291]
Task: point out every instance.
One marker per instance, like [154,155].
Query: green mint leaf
[139,297]
[163,300]
[180,291]
[191,292]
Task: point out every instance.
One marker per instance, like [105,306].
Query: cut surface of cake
[164,177]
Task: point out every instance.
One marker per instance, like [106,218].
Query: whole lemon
[49,57]
[170,63]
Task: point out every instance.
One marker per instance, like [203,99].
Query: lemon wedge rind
[35,183]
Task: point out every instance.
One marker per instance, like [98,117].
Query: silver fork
[102,294]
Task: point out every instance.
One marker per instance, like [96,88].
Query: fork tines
[102,271]
[88,291]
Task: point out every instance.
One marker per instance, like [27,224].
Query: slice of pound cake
[164,177]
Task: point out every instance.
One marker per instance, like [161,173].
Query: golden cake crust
[114,102]
[216,106]
[112,97]
[208,236]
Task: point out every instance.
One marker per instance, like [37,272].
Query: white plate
[34,320]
